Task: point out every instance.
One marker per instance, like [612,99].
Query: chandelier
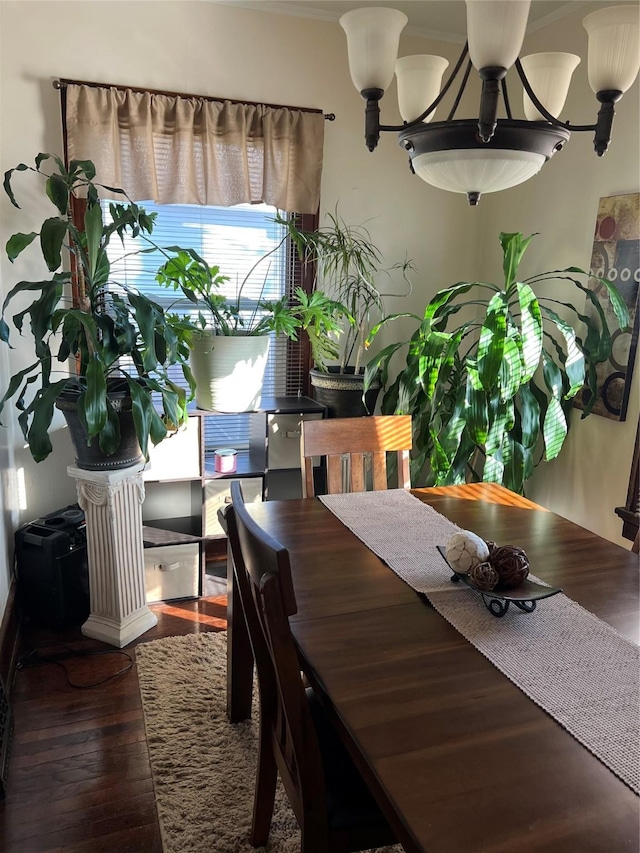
[488,154]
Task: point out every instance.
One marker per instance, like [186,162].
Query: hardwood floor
[79,776]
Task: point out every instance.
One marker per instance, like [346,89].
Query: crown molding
[302,10]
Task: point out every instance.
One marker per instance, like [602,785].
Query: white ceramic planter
[229,371]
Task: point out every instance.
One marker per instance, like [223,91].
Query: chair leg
[267,776]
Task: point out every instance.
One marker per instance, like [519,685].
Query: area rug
[203,767]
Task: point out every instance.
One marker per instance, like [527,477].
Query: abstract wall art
[616,256]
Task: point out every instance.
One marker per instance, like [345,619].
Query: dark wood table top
[459,758]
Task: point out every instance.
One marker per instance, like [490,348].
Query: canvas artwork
[616,256]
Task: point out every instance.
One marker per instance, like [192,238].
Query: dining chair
[356,439]
[334,808]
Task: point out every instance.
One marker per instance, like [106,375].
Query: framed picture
[616,256]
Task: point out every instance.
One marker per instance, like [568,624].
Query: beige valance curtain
[181,150]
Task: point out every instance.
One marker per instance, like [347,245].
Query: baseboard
[9,639]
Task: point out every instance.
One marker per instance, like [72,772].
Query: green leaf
[492,341]
[430,360]
[109,435]
[145,319]
[42,408]
[142,413]
[617,302]
[511,369]
[95,398]
[513,455]
[513,247]
[21,167]
[476,408]
[554,429]
[552,375]
[17,243]
[58,191]
[529,410]
[52,236]
[41,312]
[442,299]
[531,330]
[86,167]
[15,383]
[93,231]
[574,365]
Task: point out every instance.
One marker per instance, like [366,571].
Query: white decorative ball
[465,550]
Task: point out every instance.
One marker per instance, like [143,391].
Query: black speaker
[51,569]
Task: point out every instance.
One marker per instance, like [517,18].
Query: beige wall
[591,475]
[210,49]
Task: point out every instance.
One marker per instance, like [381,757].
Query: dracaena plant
[112,336]
[489,396]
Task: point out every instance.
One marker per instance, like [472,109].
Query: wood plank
[458,757]
[79,775]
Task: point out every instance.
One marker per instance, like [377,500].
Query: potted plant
[347,266]
[121,342]
[489,396]
[230,349]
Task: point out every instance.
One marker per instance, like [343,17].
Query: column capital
[101,487]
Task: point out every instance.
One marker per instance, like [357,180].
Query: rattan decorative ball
[512,565]
[483,576]
[491,545]
[465,550]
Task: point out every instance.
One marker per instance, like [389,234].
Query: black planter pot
[89,456]
[341,393]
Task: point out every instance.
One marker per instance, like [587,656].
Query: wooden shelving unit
[184,492]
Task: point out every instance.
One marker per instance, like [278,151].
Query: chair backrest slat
[361,440]
[357,462]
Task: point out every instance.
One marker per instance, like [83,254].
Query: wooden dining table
[459,758]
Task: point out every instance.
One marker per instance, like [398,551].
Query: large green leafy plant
[204,286]
[490,395]
[117,337]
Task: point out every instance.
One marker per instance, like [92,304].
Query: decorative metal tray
[497,601]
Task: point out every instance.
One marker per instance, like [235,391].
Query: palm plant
[347,266]
[490,396]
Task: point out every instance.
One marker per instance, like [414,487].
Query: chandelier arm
[543,110]
[463,84]
[416,121]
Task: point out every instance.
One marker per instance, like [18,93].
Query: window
[233,238]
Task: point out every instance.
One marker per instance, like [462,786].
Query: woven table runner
[577,668]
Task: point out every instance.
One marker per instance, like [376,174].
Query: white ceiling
[442,19]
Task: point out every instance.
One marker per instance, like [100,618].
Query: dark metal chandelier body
[495,153]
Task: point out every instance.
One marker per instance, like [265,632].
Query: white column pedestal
[112,502]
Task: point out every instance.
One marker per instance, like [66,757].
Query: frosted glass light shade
[373,36]
[549,75]
[419,79]
[614,47]
[477,171]
[495,31]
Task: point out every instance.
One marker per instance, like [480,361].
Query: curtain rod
[63,83]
